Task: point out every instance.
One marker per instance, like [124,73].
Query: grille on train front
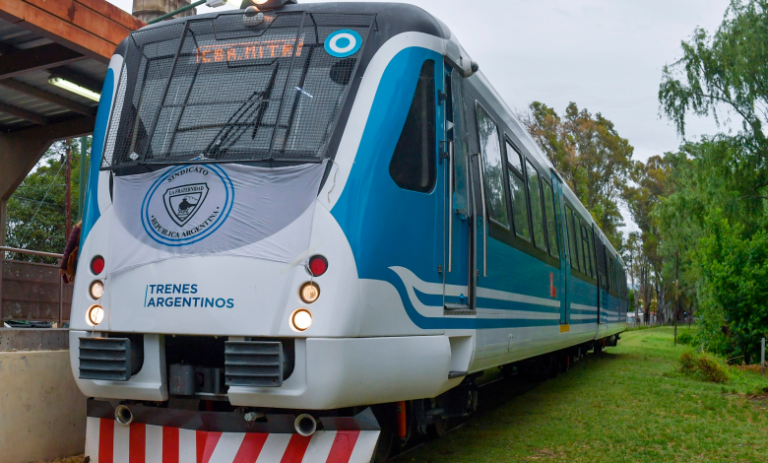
[105,358]
[253,363]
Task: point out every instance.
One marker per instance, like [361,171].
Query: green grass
[630,404]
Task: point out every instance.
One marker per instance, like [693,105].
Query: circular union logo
[343,43]
[187,204]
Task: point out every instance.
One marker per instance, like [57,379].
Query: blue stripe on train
[91,212]
[391,227]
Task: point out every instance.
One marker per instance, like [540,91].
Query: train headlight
[97,289]
[94,315]
[301,319]
[309,292]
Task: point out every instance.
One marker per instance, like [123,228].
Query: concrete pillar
[3,220]
[147,10]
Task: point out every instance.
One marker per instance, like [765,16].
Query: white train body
[423,288]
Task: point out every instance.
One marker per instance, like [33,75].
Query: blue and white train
[311,228]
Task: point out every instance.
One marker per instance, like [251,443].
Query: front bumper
[329,373]
[159,435]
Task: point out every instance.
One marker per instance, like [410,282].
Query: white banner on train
[213,209]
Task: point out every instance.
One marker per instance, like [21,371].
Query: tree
[590,155]
[713,212]
[36,217]
[728,69]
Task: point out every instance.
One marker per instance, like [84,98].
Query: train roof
[393,19]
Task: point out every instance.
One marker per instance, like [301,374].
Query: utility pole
[677,296]
[68,194]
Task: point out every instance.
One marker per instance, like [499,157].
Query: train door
[456,224]
[565,260]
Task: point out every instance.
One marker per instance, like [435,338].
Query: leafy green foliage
[685,339]
[36,218]
[705,367]
[590,155]
[712,210]
[728,69]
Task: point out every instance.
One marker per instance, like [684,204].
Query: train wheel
[438,428]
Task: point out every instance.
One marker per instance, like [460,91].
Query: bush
[685,338]
[705,367]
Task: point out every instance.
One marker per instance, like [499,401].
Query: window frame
[479,107]
[528,166]
[573,250]
[555,219]
[521,175]
[432,166]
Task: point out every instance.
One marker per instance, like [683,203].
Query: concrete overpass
[40,39]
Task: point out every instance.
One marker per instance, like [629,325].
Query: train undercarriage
[198,415]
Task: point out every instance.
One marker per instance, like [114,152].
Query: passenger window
[592,252]
[549,209]
[572,239]
[413,164]
[537,217]
[493,170]
[577,228]
[585,247]
[517,190]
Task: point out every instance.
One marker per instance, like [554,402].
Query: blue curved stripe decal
[91,213]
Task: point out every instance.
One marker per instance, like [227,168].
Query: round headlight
[97,289]
[309,292]
[94,315]
[301,319]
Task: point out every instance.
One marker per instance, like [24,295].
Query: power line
[41,203]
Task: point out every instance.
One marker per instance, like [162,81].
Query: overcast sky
[605,55]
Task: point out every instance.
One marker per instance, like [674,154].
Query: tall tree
[36,210]
[729,69]
[590,155]
[714,210]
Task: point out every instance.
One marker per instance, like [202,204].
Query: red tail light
[317,265]
[97,265]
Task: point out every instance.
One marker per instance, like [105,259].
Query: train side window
[609,277]
[413,164]
[592,252]
[549,207]
[493,169]
[572,238]
[577,234]
[517,190]
[585,247]
[537,211]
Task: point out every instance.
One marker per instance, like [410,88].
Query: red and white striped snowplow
[179,436]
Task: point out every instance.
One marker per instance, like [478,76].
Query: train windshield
[234,89]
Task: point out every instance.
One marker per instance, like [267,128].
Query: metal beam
[49,97]
[20,150]
[17,62]
[23,114]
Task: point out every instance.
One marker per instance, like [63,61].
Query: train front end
[217,309]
